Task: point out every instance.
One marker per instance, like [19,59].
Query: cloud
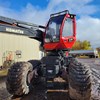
[79,7]
[38,15]
[87,27]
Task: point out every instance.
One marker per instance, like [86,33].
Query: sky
[38,12]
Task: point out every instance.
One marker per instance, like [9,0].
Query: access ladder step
[52,91]
[56,85]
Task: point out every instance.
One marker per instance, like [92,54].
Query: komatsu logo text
[14,30]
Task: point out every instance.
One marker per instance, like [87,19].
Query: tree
[82,45]
[98,48]
[77,45]
[86,45]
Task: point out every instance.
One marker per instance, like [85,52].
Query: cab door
[68,32]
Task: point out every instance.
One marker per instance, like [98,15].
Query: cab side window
[68,28]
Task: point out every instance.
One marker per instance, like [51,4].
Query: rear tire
[35,63]
[79,81]
[18,82]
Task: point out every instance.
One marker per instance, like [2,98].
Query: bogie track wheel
[79,81]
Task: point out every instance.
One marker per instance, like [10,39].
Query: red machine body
[60,32]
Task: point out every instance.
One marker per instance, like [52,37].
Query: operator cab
[60,32]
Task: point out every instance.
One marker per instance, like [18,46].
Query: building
[16,46]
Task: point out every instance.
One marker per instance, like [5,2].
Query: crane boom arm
[21,28]
[20,23]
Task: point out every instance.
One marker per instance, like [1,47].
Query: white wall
[10,42]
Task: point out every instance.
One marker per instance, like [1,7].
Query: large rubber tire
[36,64]
[79,81]
[17,78]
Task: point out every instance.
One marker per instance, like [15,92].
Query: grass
[3,72]
[83,57]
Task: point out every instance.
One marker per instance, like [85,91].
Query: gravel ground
[94,64]
[39,95]
[4,95]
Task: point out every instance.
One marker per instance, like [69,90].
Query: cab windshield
[53,29]
[68,28]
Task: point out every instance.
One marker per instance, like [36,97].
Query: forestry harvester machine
[56,41]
